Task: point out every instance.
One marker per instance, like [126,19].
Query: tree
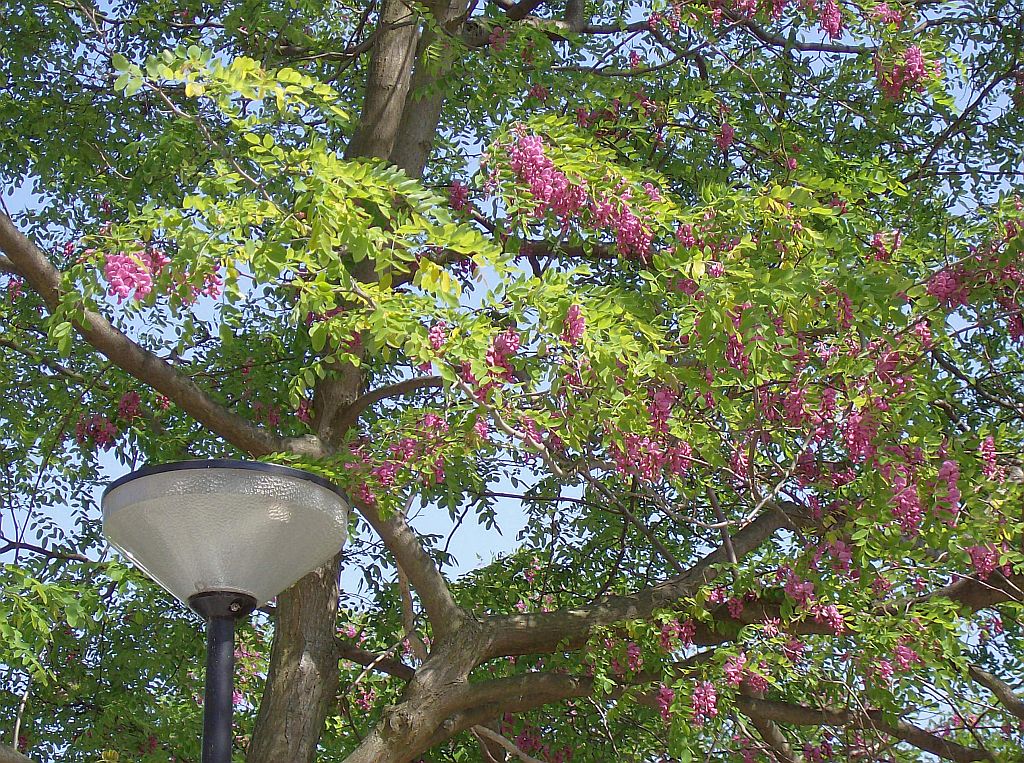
[725,296]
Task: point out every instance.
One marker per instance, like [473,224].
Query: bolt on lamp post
[223,537]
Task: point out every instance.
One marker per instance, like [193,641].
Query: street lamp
[223,537]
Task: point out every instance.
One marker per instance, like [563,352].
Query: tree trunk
[303,680]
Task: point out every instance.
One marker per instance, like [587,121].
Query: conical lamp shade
[221,525]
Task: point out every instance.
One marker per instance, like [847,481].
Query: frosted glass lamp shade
[221,525]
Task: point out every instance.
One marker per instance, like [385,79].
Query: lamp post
[223,537]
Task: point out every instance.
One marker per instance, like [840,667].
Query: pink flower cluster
[859,433]
[15,288]
[97,430]
[829,614]
[985,560]
[574,325]
[882,12]
[704,702]
[129,407]
[676,631]
[645,457]
[554,193]
[830,19]
[726,137]
[906,502]
[304,412]
[133,274]
[437,335]
[989,467]
[947,287]
[907,75]
[799,590]
[883,249]
[947,494]
[458,196]
[665,698]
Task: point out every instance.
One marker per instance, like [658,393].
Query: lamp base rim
[228,604]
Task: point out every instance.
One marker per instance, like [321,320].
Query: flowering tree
[726,296]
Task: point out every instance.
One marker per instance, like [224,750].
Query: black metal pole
[220,682]
[220,609]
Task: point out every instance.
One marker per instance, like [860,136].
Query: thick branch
[387,81]
[774,738]
[6,266]
[131,357]
[444,614]
[10,755]
[350,415]
[972,593]
[801,715]
[569,629]
[1002,690]
[393,667]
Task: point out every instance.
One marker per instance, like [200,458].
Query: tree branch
[53,365]
[543,632]
[11,545]
[401,540]
[802,715]
[493,736]
[393,667]
[7,266]
[134,359]
[10,755]
[774,738]
[350,415]
[1002,690]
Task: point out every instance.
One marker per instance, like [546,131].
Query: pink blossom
[906,658]
[906,504]
[989,467]
[574,325]
[539,92]
[829,615]
[947,494]
[498,38]
[704,702]
[734,669]
[882,12]
[735,607]
[687,632]
[882,670]
[132,274]
[129,406]
[304,412]
[831,19]
[634,659]
[684,234]
[481,428]
[665,699]
[859,433]
[793,649]
[437,335]
[984,559]
[800,591]
[15,288]
[662,402]
[458,195]
[726,137]
[96,429]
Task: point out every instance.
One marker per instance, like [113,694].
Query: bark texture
[303,680]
